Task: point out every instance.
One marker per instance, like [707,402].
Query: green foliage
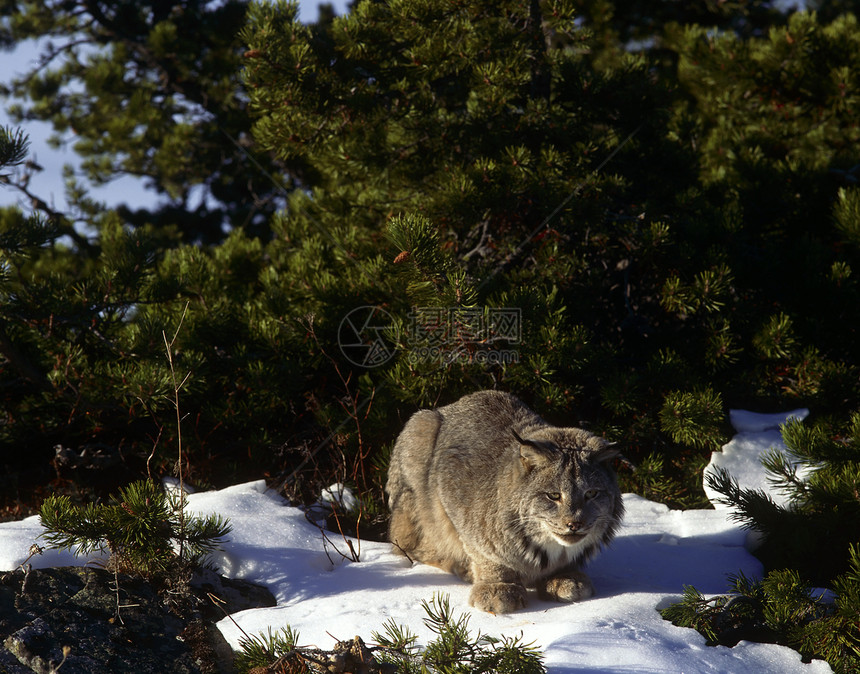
[677,486]
[662,197]
[776,340]
[13,147]
[694,418]
[815,532]
[671,232]
[453,650]
[146,89]
[780,609]
[640,25]
[145,530]
[846,212]
[265,649]
[433,279]
[814,539]
[794,66]
[696,611]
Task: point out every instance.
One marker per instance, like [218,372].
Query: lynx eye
[553,496]
[591,493]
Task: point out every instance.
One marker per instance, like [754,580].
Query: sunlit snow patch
[756,435]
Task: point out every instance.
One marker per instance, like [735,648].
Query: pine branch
[14,146]
[19,361]
[753,509]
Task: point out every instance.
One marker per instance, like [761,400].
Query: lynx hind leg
[407,477]
[403,532]
[420,543]
[567,586]
[410,459]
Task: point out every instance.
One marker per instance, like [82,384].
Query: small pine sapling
[145,530]
[453,650]
[780,609]
[142,530]
[264,650]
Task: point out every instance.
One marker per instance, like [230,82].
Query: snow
[756,435]
[323,595]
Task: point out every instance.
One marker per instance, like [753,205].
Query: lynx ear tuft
[605,451]
[519,439]
[532,453]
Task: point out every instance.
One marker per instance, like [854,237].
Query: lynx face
[570,494]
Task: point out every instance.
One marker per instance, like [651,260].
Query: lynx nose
[574,526]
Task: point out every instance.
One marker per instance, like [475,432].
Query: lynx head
[569,495]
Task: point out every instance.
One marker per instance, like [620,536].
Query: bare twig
[353,556]
[56,668]
[403,552]
[152,453]
[115,588]
[33,550]
[351,405]
[217,601]
[27,568]
[176,389]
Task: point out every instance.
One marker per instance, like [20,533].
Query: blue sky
[48,184]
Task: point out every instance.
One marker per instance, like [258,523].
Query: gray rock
[237,595]
[77,617]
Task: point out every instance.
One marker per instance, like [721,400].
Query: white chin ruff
[559,551]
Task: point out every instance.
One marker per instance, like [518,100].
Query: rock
[77,617]
[236,595]
[9,664]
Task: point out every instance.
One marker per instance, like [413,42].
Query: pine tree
[782,609]
[473,161]
[144,530]
[147,89]
[628,241]
[623,25]
[511,203]
[776,139]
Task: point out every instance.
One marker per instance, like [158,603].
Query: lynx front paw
[498,597]
[569,586]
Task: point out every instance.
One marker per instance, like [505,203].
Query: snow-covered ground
[657,552]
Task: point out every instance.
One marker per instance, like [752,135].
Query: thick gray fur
[486,489]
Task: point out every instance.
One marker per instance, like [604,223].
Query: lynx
[486,489]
